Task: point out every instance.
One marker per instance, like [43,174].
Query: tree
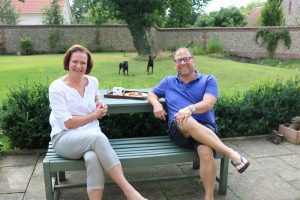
[226,17]
[8,14]
[272,13]
[178,17]
[140,16]
[52,14]
[79,10]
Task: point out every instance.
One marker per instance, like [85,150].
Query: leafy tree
[272,13]
[179,13]
[226,17]
[79,10]
[141,15]
[52,14]
[8,14]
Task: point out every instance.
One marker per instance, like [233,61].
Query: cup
[118,91]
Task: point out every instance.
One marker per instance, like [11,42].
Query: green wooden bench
[133,152]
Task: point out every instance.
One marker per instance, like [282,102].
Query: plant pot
[290,134]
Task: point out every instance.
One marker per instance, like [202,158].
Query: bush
[259,110]
[197,50]
[214,47]
[26,46]
[24,116]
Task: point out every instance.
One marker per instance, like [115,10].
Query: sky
[215,5]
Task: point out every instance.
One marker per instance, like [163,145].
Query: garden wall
[236,41]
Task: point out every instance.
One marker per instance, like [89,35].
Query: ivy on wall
[270,39]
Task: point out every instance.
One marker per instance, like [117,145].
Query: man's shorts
[180,140]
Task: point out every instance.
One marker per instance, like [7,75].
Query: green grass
[232,76]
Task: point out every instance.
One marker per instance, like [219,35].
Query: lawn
[232,76]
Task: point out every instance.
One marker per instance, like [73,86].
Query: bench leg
[48,181]
[61,176]
[196,164]
[223,175]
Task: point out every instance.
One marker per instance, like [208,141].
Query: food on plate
[132,94]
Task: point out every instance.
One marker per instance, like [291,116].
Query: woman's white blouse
[66,102]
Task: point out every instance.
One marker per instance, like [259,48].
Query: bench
[132,152]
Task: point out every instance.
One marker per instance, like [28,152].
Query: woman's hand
[101,110]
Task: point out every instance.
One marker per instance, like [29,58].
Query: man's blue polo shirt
[179,95]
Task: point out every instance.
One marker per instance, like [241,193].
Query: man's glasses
[186,59]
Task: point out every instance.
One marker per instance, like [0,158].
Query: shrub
[197,50]
[24,116]
[260,110]
[214,47]
[26,46]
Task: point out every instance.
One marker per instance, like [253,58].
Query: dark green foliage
[52,14]
[132,125]
[272,13]
[25,113]
[26,46]
[24,116]
[259,110]
[226,17]
[271,38]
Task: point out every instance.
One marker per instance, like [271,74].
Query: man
[190,98]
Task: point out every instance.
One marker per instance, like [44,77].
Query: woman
[75,110]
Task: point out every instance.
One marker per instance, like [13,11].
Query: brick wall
[237,41]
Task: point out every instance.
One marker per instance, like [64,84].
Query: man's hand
[183,115]
[159,111]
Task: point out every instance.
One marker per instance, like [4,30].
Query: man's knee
[205,153]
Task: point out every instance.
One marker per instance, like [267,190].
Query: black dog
[150,63]
[124,67]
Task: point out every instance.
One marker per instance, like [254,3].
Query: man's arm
[158,109]
[203,106]
[206,104]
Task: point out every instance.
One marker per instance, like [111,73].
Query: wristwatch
[192,109]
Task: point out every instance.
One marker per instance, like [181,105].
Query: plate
[128,95]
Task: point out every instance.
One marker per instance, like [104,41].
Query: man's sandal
[242,161]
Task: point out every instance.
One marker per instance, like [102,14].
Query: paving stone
[19,160]
[14,179]
[282,168]
[139,173]
[14,196]
[293,147]
[296,184]
[36,189]
[74,194]
[262,185]
[167,170]
[260,147]
[173,188]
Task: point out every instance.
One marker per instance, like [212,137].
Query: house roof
[252,16]
[34,6]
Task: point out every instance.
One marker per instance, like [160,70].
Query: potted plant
[291,132]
